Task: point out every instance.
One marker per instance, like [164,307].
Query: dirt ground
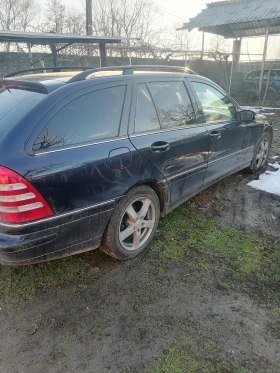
[150,315]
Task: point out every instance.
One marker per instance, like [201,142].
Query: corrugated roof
[48,38]
[235,18]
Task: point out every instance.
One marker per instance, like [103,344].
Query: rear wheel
[261,153]
[133,224]
[271,95]
[251,94]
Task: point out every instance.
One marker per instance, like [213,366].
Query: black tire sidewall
[111,244]
[251,92]
[271,92]
[254,164]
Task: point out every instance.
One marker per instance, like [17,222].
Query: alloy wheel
[262,153]
[137,223]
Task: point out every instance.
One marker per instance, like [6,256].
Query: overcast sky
[176,12]
[181,10]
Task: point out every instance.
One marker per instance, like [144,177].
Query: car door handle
[160,146]
[215,134]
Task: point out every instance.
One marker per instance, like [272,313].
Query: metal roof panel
[48,38]
[235,12]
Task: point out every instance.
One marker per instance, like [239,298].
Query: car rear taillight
[20,202]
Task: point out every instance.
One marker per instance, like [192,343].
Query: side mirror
[247,116]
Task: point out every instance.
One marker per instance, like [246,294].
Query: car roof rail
[129,70]
[48,69]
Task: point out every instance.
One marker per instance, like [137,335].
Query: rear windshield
[14,105]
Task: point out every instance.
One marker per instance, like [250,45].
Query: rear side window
[146,116]
[265,74]
[14,105]
[249,76]
[92,117]
[173,104]
[256,75]
[216,105]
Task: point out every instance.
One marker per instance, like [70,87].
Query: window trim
[138,134]
[80,145]
[68,99]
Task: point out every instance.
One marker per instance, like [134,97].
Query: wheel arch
[158,188]
[160,191]
[269,130]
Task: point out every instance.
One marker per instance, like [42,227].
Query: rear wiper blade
[5,84]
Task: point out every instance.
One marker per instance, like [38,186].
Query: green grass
[187,237]
[189,352]
[185,233]
[184,237]
[21,283]
[193,352]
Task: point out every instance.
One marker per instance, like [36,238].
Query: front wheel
[261,153]
[133,224]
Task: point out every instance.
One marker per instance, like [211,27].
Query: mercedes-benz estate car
[95,158]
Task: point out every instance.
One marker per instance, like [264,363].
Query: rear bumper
[54,237]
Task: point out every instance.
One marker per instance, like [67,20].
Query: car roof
[50,81]
[253,71]
[60,76]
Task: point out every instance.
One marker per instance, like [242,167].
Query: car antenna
[5,84]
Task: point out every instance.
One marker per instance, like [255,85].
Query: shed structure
[239,18]
[57,42]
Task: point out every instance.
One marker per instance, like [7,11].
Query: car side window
[273,75]
[88,118]
[265,74]
[216,105]
[256,75]
[146,118]
[173,104]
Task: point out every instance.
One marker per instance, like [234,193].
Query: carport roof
[238,18]
[54,38]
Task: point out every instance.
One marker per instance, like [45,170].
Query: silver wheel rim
[262,153]
[137,223]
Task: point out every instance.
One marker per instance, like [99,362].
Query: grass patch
[20,284]
[187,237]
[185,233]
[193,352]
[190,352]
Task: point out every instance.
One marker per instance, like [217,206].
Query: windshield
[14,105]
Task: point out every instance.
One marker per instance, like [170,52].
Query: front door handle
[215,134]
[160,146]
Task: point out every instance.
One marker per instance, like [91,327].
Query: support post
[236,54]
[89,17]
[103,59]
[30,55]
[264,57]
[230,79]
[202,47]
[54,54]
[89,22]
[129,53]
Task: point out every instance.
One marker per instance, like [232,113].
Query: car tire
[271,95]
[251,95]
[133,224]
[261,153]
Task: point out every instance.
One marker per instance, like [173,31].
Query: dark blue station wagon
[94,158]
